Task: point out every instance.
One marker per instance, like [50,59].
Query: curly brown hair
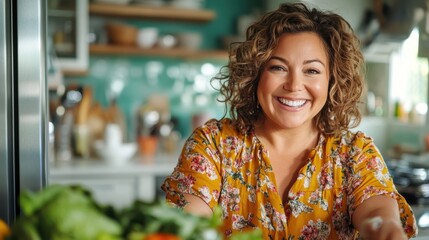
[239,79]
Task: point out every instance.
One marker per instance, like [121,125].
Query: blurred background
[128,81]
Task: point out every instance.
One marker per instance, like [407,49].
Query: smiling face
[293,85]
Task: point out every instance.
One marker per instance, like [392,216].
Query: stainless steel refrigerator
[23,101]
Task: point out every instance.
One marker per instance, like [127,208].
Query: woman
[285,160]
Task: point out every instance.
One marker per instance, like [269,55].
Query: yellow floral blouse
[228,169]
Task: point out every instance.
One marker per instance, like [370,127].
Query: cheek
[263,85]
[268,82]
[323,85]
[320,89]
[264,90]
[260,91]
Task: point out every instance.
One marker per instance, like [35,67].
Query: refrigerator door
[7,194]
[23,101]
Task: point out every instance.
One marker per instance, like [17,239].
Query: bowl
[121,34]
[115,155]
[147,37]
[167,41]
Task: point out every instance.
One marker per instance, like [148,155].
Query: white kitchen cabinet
[116,185]
[67,31]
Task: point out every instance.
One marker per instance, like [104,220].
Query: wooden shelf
[75,73]
[159,13]
[102,49]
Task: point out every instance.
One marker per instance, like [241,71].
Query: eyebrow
[305,62]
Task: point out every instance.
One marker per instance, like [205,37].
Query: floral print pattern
[315,230]
[232,171]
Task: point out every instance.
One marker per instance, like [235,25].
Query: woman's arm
[378,218]
[197,206]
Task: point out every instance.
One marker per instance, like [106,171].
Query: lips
[292,103]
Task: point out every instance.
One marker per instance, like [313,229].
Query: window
[409,89]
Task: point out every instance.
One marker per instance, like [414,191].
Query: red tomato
[162,236]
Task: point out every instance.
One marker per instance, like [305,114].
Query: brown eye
[276,68]
[312,71]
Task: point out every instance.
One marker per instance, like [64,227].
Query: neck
[304,137]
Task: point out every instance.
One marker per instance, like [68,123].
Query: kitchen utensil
[148,119]
[82,109]
[171,143]
[114,113]
[113,135]
[147,145]
[81,131]
[81,139]
[64,129]
[96,121]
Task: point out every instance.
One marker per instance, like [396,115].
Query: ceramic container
[147,37]
[190,40]
[121,34]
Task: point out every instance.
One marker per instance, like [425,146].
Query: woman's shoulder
[349,136]
[220,134]
[222,122]
[222,126]
[350,139]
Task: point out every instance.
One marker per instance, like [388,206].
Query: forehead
[301,45]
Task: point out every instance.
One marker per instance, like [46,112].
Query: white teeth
[297,103]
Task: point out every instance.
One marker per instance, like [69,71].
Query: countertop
[116,184]
[418,211]
[160,164]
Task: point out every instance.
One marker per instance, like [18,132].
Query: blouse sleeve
[198,169]
[370,177]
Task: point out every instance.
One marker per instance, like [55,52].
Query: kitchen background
[128,81]
[145,66]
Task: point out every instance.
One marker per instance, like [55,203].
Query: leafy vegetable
[249,235]
[65,213]
[158,217]
[61,212]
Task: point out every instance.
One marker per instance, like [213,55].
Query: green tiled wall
[180,80]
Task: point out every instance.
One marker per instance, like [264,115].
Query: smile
[291,103]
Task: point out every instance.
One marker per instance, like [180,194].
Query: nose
[292,83]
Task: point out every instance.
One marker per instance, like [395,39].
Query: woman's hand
[378,218]
[378,229]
